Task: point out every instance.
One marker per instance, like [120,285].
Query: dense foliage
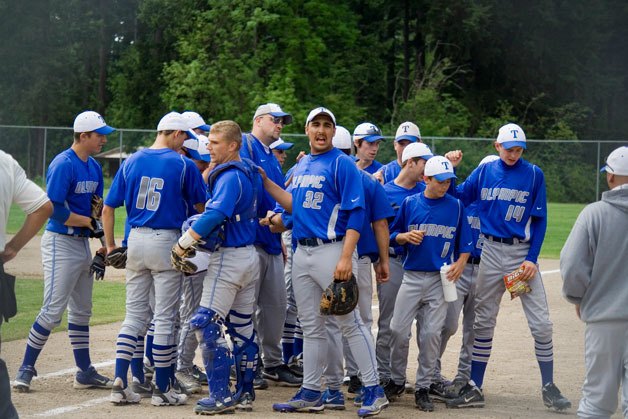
[456,68]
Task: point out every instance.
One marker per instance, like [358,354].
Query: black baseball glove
[340,297]
[117,258]
[97,268]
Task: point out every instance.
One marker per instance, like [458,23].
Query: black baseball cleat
[470,396]
[422,400]
[393,390]
[282,375]
[438,392]
[354,385]
[553,399]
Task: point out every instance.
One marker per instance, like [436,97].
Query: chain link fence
[571,167]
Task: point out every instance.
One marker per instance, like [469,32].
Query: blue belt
[509,240]
[315,241]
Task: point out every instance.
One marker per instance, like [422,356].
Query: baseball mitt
[97,204]
[179,259]
[340,297]
[117,258]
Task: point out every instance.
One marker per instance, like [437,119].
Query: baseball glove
[340,297]
[117,258]
[97,268]
[179,260]
[97,204]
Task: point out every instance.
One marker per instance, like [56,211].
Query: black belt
[509,240]
[315,241]
[474,261]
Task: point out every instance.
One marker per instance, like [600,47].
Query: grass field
[560,220]
[108,306]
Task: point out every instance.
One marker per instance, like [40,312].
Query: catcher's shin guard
[216,355]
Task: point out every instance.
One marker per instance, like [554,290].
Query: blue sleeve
[397,226]
[60,213]
[355,221]
[539,206]
[223,199]
[380,207]
[538,226]
[208,222]
[59,179]
[195,190]
[465,237]
[286,219]
[467,190]
[115,197]
[347,177]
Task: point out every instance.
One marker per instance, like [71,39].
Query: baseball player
[73,179]
[407,183]
[156,185]
[16,188]
[270,292]
[372,250]
[367,139]
[512,208]
[279,148]
[328,213]
[440,389]
[432,227]
[594,279]
[228,297]
[407,133]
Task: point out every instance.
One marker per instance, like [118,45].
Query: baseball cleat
[145,390]
[245,402]
[211,406]
[260,383]
[149,370]
[199,374]
[354,384]
[24,377]
[438,392]
[393,390]
[373,402]
[470,396]
[304,401]
[553,399]
[333,399]
[169,398]
[282,375]
[91,379]
[121,395]
[422,400]
[188,382]
[454,389]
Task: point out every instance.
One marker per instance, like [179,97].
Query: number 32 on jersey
[313,200]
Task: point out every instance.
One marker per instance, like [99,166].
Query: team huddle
[224,252]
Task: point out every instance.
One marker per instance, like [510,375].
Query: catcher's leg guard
[216,356]
[245,351]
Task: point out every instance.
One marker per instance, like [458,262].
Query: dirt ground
[511,387]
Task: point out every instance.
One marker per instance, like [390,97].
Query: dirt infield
[512,383]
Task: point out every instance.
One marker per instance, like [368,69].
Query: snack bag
[515,285]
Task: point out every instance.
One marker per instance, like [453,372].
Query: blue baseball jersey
[447,232]
[264,157]
[234,196]
[477,237]
[396,195]
[390,171]
[323,192]
[157,187]
[373,167]
[376,208]
[72,182]
[508,196]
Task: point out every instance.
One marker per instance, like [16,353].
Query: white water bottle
[449,287]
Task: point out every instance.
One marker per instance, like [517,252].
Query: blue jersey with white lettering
[390,171]
[156,186]
[71,182]
[446,231]
[264,157]
[323,192]
[396,195]
[377,208]
[509,196]
[234,196]
[373,167]
[478,238]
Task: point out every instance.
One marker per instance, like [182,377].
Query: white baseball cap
[617,162]
[511,135]
[197,147]
[317,111]
[274,110]
[342,139]
[416,150]
[368,132]
[196,121]
[89,121]
[440,168]
[488,159]
[176,122]
[408,131]
[202,147]
[280,145]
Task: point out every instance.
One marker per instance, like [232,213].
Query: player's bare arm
[344,266]
[412,237]
[108,222]
[33,222]
[282,197]
[382,236]
[455,157]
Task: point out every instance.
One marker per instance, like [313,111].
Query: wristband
[186,240]
[270,219]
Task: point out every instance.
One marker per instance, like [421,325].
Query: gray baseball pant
[192,291]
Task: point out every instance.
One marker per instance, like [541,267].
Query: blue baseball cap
[90,121]
[368,132]
[274,110]
[281,145]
